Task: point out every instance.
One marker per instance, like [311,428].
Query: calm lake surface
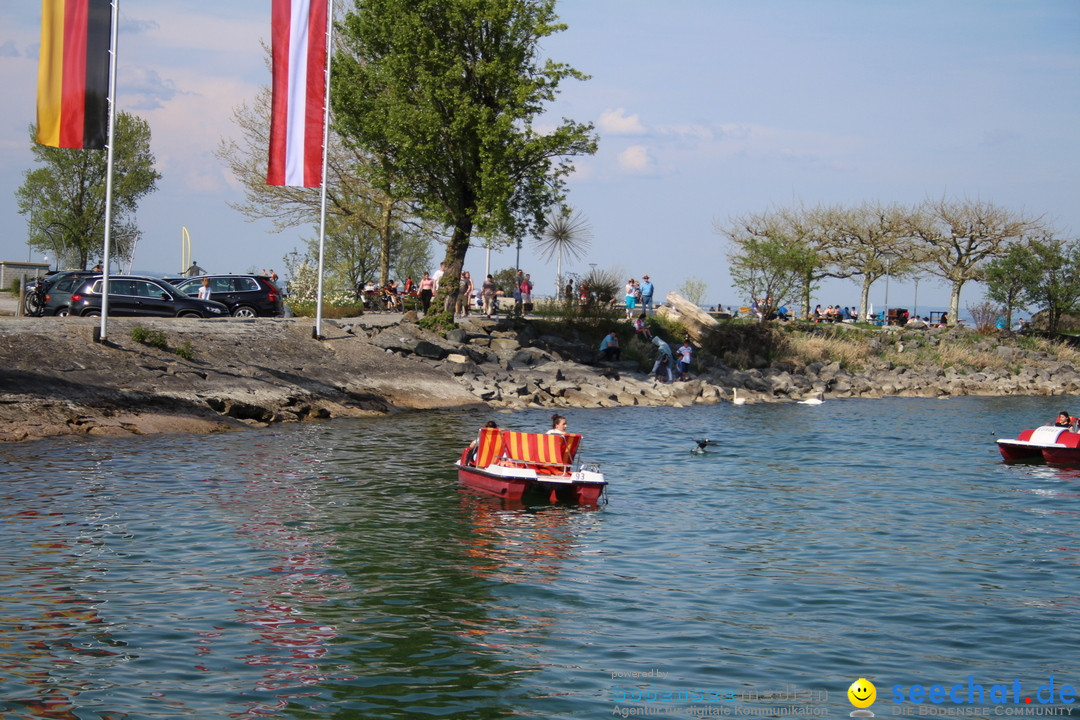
[337,570]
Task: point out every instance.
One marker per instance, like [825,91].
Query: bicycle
[34,302]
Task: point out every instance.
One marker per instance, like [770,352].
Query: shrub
[438,322]
[185,351]
[306,308]
[153,338]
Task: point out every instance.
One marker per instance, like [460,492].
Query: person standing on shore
[488,290]
[427,285]
[526,293]
[646,294]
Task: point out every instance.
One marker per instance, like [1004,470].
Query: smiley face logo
[862,693]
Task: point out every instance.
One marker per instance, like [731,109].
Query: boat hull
[580,488]
[1052,445]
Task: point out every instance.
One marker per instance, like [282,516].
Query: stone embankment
[57,380]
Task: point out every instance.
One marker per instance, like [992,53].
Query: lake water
[337,570]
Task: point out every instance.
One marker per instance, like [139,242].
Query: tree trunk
[954,302]
[697,322]
[384,241]
[864,298]
[449,285]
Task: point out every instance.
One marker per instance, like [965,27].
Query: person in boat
[1064,420]
[558,425]
[475,444]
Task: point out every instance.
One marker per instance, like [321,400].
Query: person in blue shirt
[609,347]
[646,294]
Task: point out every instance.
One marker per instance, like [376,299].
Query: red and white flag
[298,40]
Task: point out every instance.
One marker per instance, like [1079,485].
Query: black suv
[141,296]
[244,295]
[59,288]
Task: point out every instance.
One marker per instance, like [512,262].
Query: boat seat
[546,454]
[489,446]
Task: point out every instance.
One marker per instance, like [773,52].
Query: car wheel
[92,313]
[245,312]
[63,312]
[189,314]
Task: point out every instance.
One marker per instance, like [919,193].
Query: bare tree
[354,206]
[870,241]
[960,236]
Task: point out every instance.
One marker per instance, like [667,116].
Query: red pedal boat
[1050,444]
[512,465]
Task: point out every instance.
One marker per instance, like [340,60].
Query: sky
[705,110]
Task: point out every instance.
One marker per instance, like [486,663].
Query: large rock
[697,322]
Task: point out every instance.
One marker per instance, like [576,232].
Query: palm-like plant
[565,230]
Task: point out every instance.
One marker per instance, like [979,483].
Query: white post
[109,172]
[325,163]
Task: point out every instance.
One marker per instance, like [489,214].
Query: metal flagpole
[109,172]
[325,161]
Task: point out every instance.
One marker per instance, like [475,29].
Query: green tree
[693,289]
[445,93]
[767,263]
[1058,289]
[63,198]
[1010,277]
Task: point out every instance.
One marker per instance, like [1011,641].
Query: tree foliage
[1010,277]
[445,93]
[63,197]
[1057,289]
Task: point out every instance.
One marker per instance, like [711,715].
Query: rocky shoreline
[58,381]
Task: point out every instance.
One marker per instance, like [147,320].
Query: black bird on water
[701,445]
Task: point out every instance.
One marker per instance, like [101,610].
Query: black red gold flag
[73,73]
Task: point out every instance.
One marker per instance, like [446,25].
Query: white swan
[812,400]
[735,399]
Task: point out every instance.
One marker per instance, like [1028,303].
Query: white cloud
[637,159]
[617,122]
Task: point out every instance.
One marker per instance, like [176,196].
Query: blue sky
[705,109]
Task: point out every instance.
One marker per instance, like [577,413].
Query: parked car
[142,296]
[58,290]
[244,295]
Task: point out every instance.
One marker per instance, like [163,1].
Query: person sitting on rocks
[609,347]
[641,328]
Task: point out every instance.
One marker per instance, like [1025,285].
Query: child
[641,328]
[684,359]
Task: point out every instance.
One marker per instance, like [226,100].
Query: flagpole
[325,161]
[109,170]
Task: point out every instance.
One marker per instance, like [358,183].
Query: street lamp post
[888,272]
[916,297]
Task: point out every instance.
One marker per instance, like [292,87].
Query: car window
[121,287]
[146,289]
[247,284]
[221,285]
[65,284]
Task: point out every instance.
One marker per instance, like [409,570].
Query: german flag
[73,73]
